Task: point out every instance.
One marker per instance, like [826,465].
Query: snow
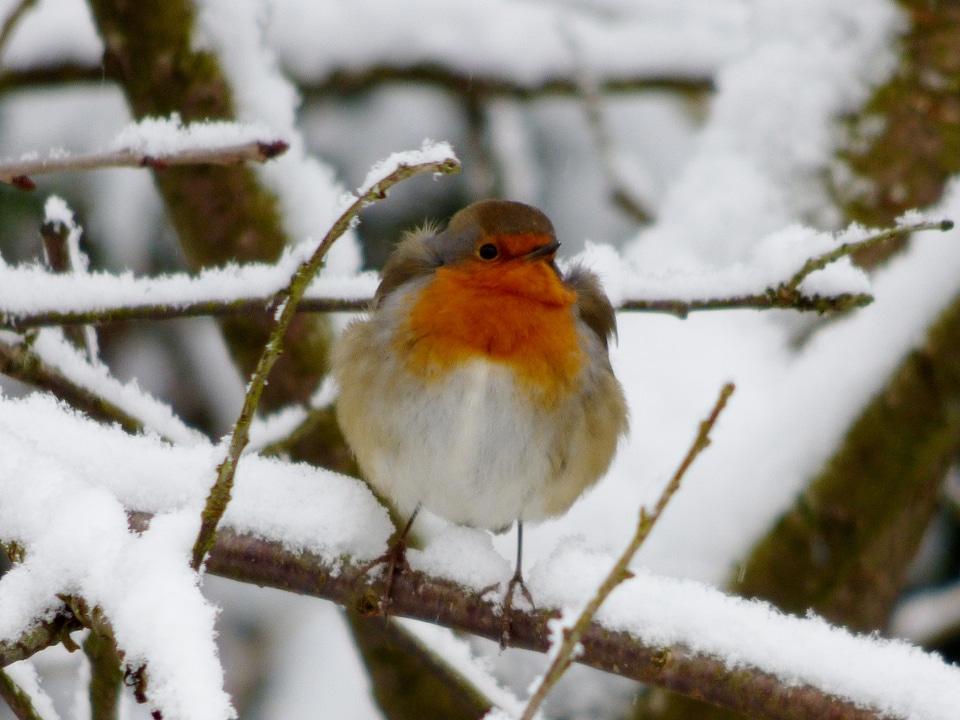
[24,675]
[429,152]
[894,677]
[443,557]
[31,289]
[51,347]
[527,43]
[158,137]
[71,518]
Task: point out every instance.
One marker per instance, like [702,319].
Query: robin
[480,385]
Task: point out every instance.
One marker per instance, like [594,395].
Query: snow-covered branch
[156,143]
[20,362]
[744,684]
[30,297]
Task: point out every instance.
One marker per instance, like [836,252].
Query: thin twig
[572,636]
[18,172]
[285,305]
[821,261]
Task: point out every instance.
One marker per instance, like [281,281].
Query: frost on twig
[156,143]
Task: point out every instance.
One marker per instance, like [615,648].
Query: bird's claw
[395,560]
[508,597]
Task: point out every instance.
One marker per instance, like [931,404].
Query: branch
[621,570]
[285,304]
[18,172]
[253,560]
[785,296]
[51,75]
[349,82]
[869,243]
[39,637]
[21,363]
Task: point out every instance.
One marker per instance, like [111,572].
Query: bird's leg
[395,558]
[516,580]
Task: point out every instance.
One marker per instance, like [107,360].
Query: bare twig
[52,75]
[65,257]
[106,675]
[572,636]
[18,172]
[591,94]
[285,305]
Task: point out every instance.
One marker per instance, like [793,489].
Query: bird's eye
[488,251]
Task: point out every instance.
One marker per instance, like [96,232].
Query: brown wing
[592,304]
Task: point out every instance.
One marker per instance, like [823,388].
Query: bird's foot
[508,603]
[395,560]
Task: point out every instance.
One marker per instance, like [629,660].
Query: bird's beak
[543,251]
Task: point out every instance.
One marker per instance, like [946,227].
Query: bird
[479,386]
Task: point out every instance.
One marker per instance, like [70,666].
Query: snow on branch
[156,143]
[784,275]
[679,635]
[309,531]
[76,557]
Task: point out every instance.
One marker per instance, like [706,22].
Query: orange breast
[517,313]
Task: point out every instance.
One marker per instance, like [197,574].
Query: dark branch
[347,82]
[681,308]
[418,596]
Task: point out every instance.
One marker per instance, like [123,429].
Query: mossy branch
[285,306]
[572,636]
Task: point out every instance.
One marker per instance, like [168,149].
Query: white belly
[475,453]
